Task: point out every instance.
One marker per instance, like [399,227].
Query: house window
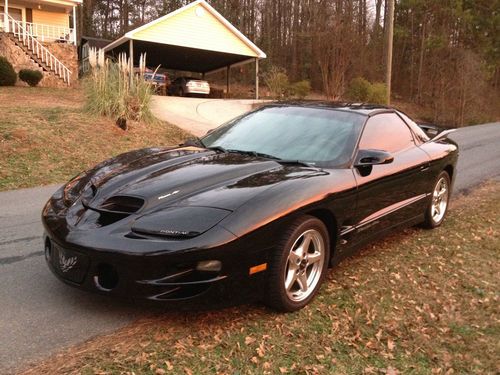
[15,13]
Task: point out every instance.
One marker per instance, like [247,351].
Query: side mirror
[367,158]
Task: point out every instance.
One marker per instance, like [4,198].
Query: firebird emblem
[66,263]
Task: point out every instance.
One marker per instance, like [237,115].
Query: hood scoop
[113,209]
[122,204]
[118,204]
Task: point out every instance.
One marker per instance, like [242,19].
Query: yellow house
[45,30]
[194,38]
[47,20]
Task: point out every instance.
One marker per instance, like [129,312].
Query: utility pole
[390,40]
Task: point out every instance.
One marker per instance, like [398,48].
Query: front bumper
[137,269]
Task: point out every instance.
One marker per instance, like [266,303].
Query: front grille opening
[185,273]
[108,218]
[106,277]
[123,204]
[182,292]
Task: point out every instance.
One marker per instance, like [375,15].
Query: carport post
[256,79]
[228,69]
[6,16]
[131,59]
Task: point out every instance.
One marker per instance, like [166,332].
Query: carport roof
[194,38]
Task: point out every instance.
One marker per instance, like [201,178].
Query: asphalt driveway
[196,115]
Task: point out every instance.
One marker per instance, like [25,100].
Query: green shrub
[378,93]
[276,80]
[300,89]
[8,76]
[31,77]
[110,92]
[359,90]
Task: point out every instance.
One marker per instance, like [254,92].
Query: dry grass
[420,302]
[45,136]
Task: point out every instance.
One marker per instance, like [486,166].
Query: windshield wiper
[217,148]
[254,153]
[272,157]
[196,142]
[294,162]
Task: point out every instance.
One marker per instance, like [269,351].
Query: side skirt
[353,249]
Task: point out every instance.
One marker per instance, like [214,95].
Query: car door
[389,194]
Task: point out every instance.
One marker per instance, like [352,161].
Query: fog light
[106,278]
[209,266]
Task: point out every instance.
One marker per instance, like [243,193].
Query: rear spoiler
[435,132]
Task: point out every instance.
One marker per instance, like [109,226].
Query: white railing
[37,48]
[45,33]
[51,32]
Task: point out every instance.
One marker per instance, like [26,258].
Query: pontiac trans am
[259,207]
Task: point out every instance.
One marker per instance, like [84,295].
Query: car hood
[187,177]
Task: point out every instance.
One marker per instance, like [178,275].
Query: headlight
[180,222]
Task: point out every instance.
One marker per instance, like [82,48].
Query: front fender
[334,190]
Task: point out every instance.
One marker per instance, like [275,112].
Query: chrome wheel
[304,265]
[439,200]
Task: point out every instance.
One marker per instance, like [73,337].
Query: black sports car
[260,206]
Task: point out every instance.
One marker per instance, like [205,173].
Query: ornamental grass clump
[115,90]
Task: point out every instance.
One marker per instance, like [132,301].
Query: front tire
[438,207]
[298,265]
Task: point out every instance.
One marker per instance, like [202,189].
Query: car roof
[361,108]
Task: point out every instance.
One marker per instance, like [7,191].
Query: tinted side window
[386,132]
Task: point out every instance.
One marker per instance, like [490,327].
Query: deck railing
[38,49]
[44,33]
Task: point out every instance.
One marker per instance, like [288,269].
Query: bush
[300,89]
[109,91]
[31,77]
[359,90]
[276,80]
[378,93]
[8,76]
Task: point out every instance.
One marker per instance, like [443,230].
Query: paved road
[39,315]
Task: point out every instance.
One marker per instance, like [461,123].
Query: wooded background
[446,52]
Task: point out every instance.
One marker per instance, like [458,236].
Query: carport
[194,38]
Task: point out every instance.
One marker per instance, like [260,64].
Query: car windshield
[317,136]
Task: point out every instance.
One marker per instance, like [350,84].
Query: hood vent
[115,209]
[122,204]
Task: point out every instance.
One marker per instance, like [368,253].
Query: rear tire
[438,206]
[298,265]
